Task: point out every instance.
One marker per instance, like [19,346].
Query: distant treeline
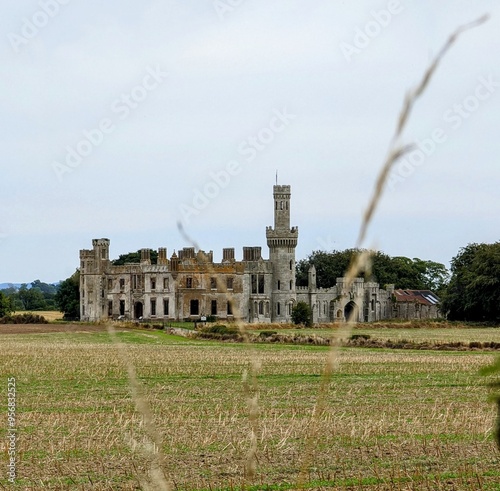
[34,296]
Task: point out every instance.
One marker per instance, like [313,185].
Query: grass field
[392,419]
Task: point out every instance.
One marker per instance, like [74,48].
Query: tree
[67,298]
[329,266]
[134,257]
[302,314]
[434,276]
[31,298]
[5,305]
[400,271]
[473,293]
[48,291]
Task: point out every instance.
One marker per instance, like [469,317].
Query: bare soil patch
[48,328]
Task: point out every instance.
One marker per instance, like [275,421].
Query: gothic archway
[351,311]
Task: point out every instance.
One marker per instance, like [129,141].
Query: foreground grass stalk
[156,480]
[363,260]
[251,391]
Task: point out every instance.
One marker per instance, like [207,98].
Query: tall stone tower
[93,265]
[282,241]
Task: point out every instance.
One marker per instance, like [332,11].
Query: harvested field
[49,328]
[391,420]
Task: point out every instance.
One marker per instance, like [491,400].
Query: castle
[191,286]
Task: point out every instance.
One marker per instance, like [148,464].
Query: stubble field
[395,419]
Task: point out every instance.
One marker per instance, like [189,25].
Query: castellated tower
[282,241]
[93,266]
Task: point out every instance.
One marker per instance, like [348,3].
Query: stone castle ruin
[190,285]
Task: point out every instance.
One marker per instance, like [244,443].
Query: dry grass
[50,315]
[410,419]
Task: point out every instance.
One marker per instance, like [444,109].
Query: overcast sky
[122,118]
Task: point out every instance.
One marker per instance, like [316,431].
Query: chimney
[145,256]
[228,254]
[162,256]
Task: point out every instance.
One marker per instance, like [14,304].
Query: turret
[101,254]
[282,241]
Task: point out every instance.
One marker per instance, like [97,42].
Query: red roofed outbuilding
[416,304]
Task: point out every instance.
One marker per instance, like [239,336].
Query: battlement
[282,238]
[272,232]
[280,190]
[100,242]
[86,254]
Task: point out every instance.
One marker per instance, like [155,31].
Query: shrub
[360,336]
[267,334]
[220,331]
[28,318]
[302,314]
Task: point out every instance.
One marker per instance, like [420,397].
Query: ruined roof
[424,297]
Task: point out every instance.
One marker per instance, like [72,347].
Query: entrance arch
[351,311]
[138,310]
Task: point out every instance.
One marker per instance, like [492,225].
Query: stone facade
[190,285]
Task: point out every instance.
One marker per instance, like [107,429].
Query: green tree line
[403,272]
[38,296]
